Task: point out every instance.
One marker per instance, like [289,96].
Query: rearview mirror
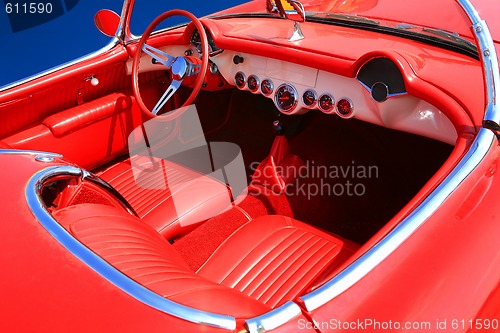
[292,10]
[289,9]
[107,21]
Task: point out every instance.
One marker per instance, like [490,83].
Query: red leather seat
[268,261]
[274,258]
[144,255]
[172,204]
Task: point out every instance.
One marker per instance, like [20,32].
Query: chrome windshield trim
[120,32]
[380,251]
[107,271]
[114,41]
[489,61]
[273,319]
[476,153]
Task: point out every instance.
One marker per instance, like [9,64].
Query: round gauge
[240,80]
[195,41]
[326,103]
[345,108]
[253,83]
[286,97]
[309,98]
[267,87]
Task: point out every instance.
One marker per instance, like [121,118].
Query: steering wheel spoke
[194,69]
[166,96]
[158,55]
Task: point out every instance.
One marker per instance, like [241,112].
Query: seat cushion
[169,197]
[274,258]
[145,256]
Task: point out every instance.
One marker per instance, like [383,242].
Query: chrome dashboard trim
[476,153]
[107,271]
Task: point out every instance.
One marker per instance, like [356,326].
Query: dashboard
[377,94]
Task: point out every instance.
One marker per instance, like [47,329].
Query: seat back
[141,253]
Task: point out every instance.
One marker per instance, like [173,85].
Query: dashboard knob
[238,60]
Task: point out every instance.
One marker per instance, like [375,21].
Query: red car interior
[247,278]
[155,205]
[271,247]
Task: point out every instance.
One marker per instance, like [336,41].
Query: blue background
[74,34]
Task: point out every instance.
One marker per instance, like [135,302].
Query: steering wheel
[180,67]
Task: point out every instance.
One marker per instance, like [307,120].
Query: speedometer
[195,41]
[286,97]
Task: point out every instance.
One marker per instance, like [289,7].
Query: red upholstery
[144,255]
[3,145]
[67,121]
[273,258]
[172,205]
[266,262]
[280,168]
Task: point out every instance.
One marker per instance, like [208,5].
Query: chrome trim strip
[102,183]
[364,264]
[476,153]
[388,95]
[273,319]
[28,152]
[129,286]
[489,61]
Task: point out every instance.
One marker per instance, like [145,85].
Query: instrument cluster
[291,99]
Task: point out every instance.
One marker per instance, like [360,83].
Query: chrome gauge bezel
[315,98]
[340,114]
[332,108]
[244,79]
[257,83]
[271,84]
[294,93]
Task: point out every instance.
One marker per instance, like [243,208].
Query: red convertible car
[278,166]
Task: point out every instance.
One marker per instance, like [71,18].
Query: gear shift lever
[278,128]
[281,167]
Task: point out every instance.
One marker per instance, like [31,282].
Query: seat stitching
[291,275]
[285,256]
[264,255]
[236,264]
